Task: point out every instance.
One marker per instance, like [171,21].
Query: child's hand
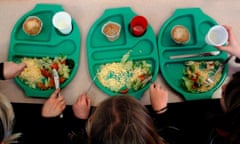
[158,97]
[232,47]
[54,105]
[81,107]
[11,69]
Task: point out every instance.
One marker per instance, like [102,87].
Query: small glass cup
[138,25]
[217,36]
[62,21]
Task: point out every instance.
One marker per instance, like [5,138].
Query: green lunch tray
[198,25]
[49,42]
[101,51]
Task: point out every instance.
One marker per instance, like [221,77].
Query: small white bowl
[182,34]
[111,30]
[32,25]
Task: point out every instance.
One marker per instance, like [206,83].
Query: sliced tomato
[45,73]
[124,91]
[54,66]
[142,77]
[194,79]
[40,85]
[61,79]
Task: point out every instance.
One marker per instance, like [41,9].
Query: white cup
[217,36]
[62,21]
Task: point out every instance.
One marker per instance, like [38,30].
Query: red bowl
[138,25]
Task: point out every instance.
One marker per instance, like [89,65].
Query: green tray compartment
[198,24]
[101,51]
[48,43]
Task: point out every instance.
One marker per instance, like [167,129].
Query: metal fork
[211,79]
[148,79]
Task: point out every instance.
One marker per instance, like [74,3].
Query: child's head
[6,121]
[230,121]
[231,93]
[122,119]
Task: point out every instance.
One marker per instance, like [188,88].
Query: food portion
[180,34]
[121,77]
[32,25]
[38,73]
[111,30]
[196,73]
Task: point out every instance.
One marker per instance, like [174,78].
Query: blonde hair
[7,121]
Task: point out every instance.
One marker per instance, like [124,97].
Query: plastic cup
[62,21]
[217,36]
[138,25]
[111,30]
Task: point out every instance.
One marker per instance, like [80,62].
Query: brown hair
[122,120]
[230,121]
[232,93]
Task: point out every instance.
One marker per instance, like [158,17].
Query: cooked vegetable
[196,73]
[124,76]
[38,73]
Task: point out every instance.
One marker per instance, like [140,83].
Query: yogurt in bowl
[111,30]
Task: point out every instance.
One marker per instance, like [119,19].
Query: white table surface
[85,12]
